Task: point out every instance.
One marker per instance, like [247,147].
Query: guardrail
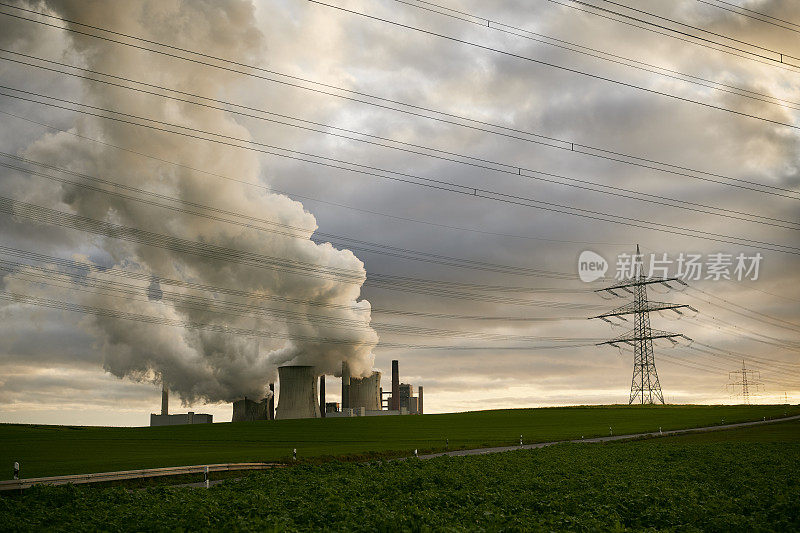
[98,477]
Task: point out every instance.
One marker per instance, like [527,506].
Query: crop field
[734,480]
[55,450]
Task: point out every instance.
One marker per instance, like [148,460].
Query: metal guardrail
[98,477]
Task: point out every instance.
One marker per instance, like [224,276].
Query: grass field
[734,480]
[54,450]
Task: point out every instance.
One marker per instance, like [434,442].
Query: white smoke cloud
[195,364]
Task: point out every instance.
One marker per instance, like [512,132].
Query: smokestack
[395,406]
[164,399]
[298,393]
[322,395]
[419,400]
[271,404]
[345,385]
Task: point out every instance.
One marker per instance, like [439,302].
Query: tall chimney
[395,406]
[419,400]
[322,396]
[271,406]
[345,385]
[164,399]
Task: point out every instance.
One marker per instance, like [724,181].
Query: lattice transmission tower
[645,384]
[744,381]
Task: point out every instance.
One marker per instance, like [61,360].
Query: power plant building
[179,420]
[406,401]
[166,419]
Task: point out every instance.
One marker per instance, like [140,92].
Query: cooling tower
[247,410]
[298,396]
[366,392]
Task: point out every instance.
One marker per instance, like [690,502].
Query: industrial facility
[365,397]
[302,395]
[166,419]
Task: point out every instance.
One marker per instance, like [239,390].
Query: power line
[674,34]
[749,13]
[289,231]
[571,146]
[484,164]
[296,195]
[777,322]
[446,289]
[559,67]
[160,321]
[80,269]
[606,56]
[128,292]
[727,355]
[764,49]
[412,179]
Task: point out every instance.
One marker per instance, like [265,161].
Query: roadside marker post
[205,475]
[16,470]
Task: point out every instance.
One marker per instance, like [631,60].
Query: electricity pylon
[746,380]
[644,384]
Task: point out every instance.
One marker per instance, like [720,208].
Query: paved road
[481,451]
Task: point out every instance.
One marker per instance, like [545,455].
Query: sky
[199,192]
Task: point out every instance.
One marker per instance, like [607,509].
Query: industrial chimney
[271,404]
[419,400]
[322,395]
[366,392]
[164,399]
[345,385]
[298,398]
[395,405]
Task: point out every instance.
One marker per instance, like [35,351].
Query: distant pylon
[645,384]
[745,380]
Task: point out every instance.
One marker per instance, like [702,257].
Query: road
[499,449]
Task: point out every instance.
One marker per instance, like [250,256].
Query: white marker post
[294,454]
[416,454]
[520,441]
[610,431]
[16,470]
[205,471]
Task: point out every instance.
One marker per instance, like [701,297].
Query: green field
[54,450]
[734,480]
